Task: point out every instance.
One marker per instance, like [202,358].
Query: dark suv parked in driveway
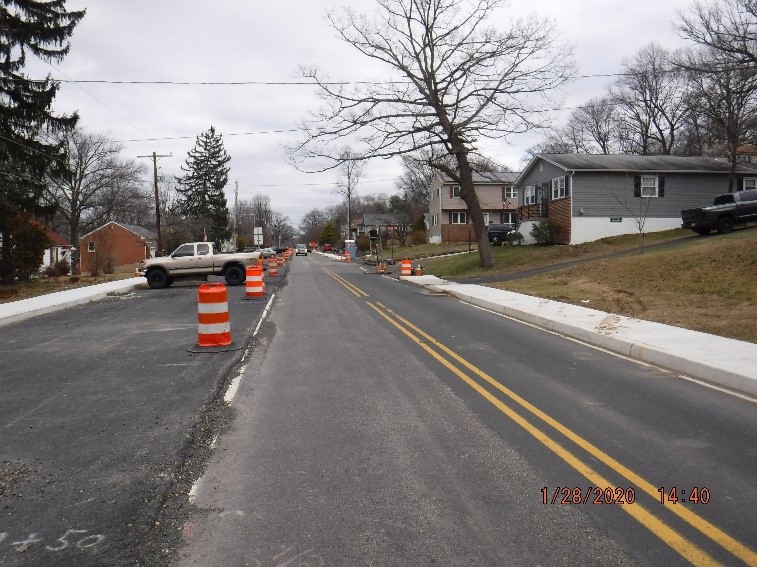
[498,232]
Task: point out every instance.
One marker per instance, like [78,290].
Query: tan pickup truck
[197,259]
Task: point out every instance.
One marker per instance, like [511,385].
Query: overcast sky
[251,40]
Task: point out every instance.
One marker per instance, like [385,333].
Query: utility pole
[154,158]
[236,212]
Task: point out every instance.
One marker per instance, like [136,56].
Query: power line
[225,135]
[316,83]
[69,80]
[332,184]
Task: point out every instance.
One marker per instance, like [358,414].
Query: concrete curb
[726,362]
[48,303]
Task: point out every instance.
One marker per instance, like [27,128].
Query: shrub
[417,237]
[60,268]
[363,243]
[542,232]
[515,238]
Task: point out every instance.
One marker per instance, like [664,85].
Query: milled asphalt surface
[721,361]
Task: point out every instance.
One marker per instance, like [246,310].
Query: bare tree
[456,80]
[96,181]
[281,229]
[255,212]
[312,224]
[651,99]
[554,143]
[176,228]
[724,94]
[597,122]
[728,26]
[350,172]
[129,203]
[415,181]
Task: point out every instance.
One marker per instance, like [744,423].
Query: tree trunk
[475,214]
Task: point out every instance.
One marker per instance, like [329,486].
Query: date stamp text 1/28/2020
[616,495]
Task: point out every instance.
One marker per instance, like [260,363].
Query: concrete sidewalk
[726,362]
[27,308]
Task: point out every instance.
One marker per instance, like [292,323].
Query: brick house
[115,245]
[589,197]
[448,214]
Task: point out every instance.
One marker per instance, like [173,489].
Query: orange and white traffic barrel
[254,282]
[347,256]
[273,267]
[213,328]
[407,268]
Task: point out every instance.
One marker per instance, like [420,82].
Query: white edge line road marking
[618,355]
[232,390]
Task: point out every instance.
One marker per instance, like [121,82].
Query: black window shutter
[661,186]
[637,185]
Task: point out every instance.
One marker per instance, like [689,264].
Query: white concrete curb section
[719,360]
[27,308]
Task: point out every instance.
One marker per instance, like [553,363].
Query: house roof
[138,230]
[58,241]
[141,231]
[382,219]
[632,163]
[496,177]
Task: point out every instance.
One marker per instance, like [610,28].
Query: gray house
[381,221]
[589,197]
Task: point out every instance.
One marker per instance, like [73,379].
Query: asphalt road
[372,423]
[105,416]
[382,425]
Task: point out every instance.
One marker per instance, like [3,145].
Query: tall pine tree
[42,29]
[201,196]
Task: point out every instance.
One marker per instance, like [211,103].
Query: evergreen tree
[42,29]
[329,235]
[201,196]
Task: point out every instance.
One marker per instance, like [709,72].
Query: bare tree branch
[454,81]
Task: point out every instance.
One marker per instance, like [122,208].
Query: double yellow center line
[473,377]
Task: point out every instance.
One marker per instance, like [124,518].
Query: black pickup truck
[727,211]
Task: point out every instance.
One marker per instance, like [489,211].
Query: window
[459,218]
[91,246]
[750,183]
[184,250]
[649,186]
[558,188]
[508,218]
[203,249]
[529,197]
[509,193]
[455,192]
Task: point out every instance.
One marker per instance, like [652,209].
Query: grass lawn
[704,284]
